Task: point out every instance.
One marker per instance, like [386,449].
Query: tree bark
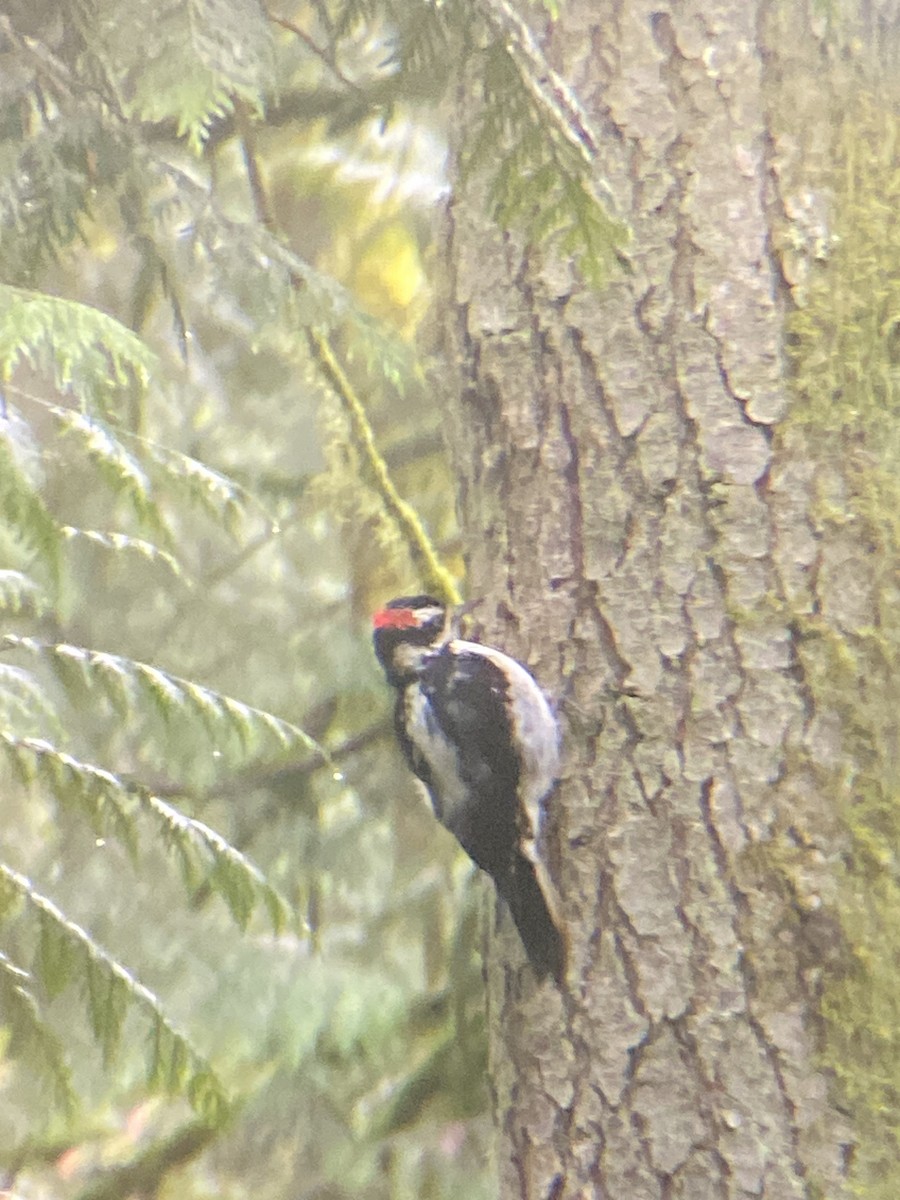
[646,525]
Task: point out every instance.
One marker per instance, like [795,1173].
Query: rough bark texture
[647,536]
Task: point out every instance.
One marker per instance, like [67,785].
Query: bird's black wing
[468,692]
[467,701]
[466,714]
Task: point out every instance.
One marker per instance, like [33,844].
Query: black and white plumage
[478,732]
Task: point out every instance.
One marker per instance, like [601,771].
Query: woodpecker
[478,732]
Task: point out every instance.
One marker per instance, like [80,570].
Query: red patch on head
[395,618]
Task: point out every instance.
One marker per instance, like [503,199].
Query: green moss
[847,418]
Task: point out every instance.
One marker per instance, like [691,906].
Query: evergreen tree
[233,947]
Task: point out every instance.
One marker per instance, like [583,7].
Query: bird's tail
[543,941]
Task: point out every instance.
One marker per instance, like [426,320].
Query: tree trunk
[671,542]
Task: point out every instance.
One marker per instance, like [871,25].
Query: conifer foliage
[169,340]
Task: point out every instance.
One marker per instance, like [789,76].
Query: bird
[480,735]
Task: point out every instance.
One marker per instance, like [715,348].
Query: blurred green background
[236,188]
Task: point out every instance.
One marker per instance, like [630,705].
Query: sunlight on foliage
[84,350]
[24,513]
[118,543]
[19,593]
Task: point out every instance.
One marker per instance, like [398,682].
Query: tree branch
[144,1174]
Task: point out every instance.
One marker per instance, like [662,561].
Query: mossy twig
[403,514]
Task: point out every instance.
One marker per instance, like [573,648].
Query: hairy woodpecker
[478,732]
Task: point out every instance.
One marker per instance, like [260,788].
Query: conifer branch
[110,804]
[117,542]
[32,1036]
[132,686]
[548,88]
[86,347]
[68,953]
[329,60]
[143,1175]
[127,470]
[19,593]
